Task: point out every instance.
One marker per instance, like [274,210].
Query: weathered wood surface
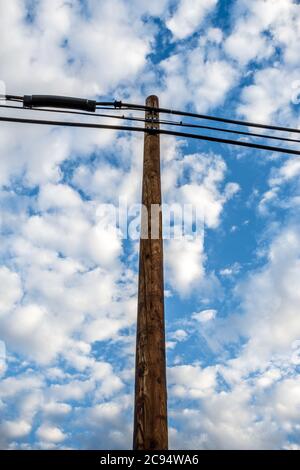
[150,413]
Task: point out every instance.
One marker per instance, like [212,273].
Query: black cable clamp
[50,101]
[118,104]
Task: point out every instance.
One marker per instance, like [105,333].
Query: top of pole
[152,101]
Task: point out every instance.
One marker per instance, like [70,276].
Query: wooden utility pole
[150,409]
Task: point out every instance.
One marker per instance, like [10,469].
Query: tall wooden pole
[150,409]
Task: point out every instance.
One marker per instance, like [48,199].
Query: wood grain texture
[150,409]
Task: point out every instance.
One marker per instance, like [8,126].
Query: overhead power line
[161,122]
[212,118]
[148,130]
[90,105]
[59,102]
[12,98]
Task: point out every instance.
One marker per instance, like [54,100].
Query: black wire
[65,111]
[115,104]
[152,131]
[12,98]
[164,122]
[15,100]
[20,99]
[118,104]
[112,109]
[231,131]
[139,107]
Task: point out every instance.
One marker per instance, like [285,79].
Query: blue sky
[68,284]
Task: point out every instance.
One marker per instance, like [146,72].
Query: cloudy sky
[68,283]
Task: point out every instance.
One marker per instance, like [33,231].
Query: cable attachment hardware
[50,101]
[118,104]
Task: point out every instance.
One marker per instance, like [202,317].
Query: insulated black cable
[109,104]
[164,122]
[66,111]
[230,131]
[139,107]
[119,105]
[15,100]
[40,109]
[151,131]
[11,98]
